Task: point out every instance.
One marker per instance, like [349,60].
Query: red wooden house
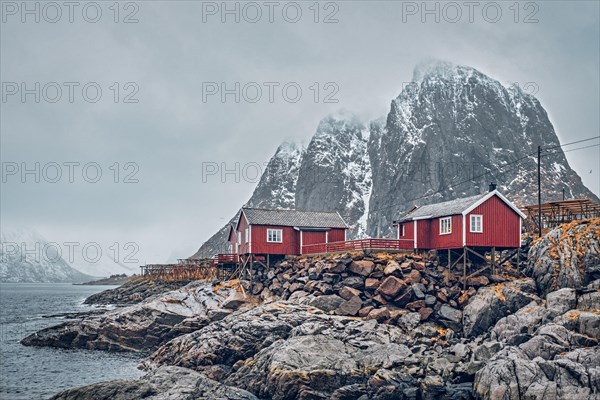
[262,232]
[484,221]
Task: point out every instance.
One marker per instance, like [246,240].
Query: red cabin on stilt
[484,221]
[263,232]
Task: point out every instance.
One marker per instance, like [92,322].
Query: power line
[567,144]
[580,148]
[499,172]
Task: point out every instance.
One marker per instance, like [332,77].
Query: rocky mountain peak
[449,133]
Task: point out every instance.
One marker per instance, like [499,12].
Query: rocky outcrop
[140,327]
[291,351]
[494,302]
[568,256]
[171,383]
[134,291]
[547,352]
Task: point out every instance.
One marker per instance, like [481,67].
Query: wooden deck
[359,245]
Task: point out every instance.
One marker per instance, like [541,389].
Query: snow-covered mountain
[449,133]
[25,256]
[335,173]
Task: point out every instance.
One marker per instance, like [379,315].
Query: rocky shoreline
[360,326]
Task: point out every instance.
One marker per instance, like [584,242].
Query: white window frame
[402,233]
[277,233]
[246,235]
[471,225]
[238,236]
[446,226]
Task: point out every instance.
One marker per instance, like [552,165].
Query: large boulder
[172,383]
[327,303]
[391,286]
[316,365]
[568,256]
[135,290]
[491,303]
[140,327]
[513,375]
[561,301]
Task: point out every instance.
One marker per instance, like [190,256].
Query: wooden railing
[227,258]
[358,245]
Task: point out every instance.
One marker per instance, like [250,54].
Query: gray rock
[327,303]
[550,364]
[409,321]
[566,259]
[280,371]
[492,303]
[521,325]
[561,301]
[451,314]
[350,307]
[589,301]
[419,290]
[165,383]
[139,327]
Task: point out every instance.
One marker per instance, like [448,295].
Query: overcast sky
[167,61]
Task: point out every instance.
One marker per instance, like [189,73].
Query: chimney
[492,187]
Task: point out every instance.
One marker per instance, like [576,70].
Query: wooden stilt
[493,260]
[465,268]
[449,258]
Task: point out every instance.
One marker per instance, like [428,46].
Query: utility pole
[539,179]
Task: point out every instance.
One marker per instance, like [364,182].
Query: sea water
[32,373]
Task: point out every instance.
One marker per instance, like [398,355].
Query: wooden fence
[359,245]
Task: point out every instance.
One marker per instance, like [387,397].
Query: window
[239,237]
[246,235]
[402,230]
[445,225]
[477,223]
[274,235]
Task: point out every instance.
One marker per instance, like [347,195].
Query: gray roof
[451,207]
[307,219]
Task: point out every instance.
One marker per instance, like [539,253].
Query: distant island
[111,280]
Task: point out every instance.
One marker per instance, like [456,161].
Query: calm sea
[32,373]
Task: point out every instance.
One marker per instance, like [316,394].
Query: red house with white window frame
[484,221]
[274,232]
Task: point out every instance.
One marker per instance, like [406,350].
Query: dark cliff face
[335,174]
[449,133]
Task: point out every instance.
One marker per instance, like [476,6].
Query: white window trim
[471,223]
[246,235]
[280,235]
[449,219]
